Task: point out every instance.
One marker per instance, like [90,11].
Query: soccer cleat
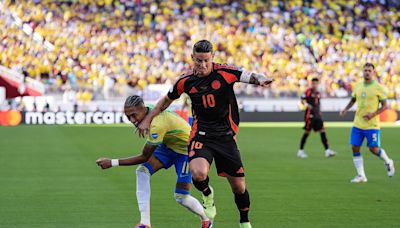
[390,168]
[359,179]
[208,204]
[302,154]
[245,225]
[142,226]
[206,224]
[329,153]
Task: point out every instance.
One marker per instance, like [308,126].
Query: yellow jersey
[368,97]
[169,128]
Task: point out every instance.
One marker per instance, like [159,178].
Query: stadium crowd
[114,45]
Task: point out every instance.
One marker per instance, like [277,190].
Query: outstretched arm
[147,151]
[349,105]
[144,125]
[255,78]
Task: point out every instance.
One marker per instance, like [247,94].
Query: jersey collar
[370,84]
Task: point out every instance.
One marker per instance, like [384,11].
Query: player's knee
[238,189]
[198,174]
[355,149]
[374,150]
[180,198]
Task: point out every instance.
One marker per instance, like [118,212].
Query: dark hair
[203,46]
[315,80]
[133,101]
[369,65]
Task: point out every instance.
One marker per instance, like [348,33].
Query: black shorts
[223,149]
[315,124]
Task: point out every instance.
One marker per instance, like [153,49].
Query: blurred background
[87,56]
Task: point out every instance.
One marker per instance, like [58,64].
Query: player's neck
[368,82]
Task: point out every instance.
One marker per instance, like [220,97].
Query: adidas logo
[193,90]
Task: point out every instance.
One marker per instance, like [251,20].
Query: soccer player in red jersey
[313,119]
[215,124]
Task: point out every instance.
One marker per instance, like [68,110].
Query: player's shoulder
[158,121]
[308,92]
[358,84]
[185,74]
[183,77]
[221,66]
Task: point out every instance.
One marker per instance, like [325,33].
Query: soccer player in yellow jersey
[368,93]
[166,145]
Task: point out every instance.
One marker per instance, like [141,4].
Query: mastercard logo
[10,118]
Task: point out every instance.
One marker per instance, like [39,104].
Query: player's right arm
[161,105]
[303,100]
[255,78]
[349,105]
[147,151]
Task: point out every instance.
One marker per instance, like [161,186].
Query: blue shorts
[168,157]
[373,137]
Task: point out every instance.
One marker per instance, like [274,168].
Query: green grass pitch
[48,178]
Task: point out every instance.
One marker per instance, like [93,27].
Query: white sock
[143,194]
[359,164]
[384,156]
[192,204]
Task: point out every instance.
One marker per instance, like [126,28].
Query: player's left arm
[147,151]
[304,102]
[255,78]
[381,94]
[371,115]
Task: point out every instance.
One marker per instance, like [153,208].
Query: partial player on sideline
[368,94]
[313,119]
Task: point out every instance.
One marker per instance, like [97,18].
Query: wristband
[114,162]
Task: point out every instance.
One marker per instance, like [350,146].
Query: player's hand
[267,82]
[368,116]
[104,163]
[143,128]
[342,113]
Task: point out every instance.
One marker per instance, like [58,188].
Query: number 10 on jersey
[208,100]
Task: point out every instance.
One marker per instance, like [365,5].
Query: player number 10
[208,100]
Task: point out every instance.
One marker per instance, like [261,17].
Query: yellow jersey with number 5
[368,97]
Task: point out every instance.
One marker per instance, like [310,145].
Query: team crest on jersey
[363,95]
[216,84]
[154,136]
